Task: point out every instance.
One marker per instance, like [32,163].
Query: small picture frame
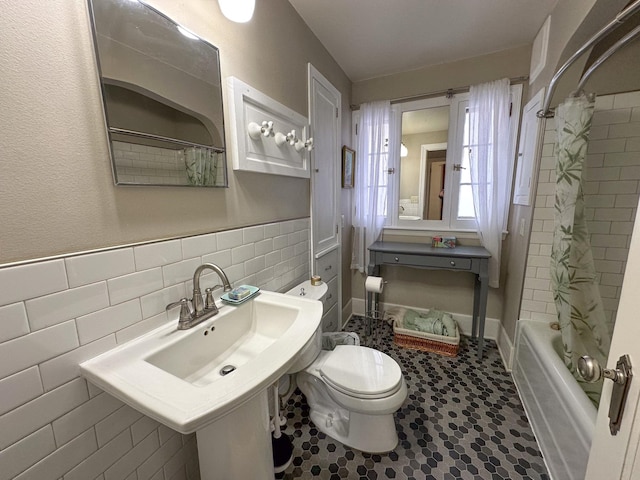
[348,167]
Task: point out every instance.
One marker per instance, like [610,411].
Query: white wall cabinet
[263,154]
[530,139]
[325,120]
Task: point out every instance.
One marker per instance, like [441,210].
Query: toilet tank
[310,351]
[312,292]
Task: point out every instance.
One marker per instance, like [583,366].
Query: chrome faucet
[200,310]
[199,306]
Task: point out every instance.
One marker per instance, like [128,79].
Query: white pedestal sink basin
[174,376]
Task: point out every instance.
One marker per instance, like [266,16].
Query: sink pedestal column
[238,445]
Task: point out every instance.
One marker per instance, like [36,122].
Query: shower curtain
[584,327]
[202,166]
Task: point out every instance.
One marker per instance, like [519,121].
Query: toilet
[352,391]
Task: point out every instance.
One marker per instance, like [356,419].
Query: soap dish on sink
[253,291]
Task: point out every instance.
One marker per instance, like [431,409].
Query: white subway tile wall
[56,314]
[612,190]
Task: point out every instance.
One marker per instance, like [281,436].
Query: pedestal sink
[213,378]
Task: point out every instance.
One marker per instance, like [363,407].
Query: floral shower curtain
[202,166]
[584,327]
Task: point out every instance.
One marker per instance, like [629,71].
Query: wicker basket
[425,342]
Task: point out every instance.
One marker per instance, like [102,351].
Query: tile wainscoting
[57,313]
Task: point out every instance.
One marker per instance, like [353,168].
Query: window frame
[457,105]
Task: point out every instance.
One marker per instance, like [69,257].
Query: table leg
[476,306]
[482,311]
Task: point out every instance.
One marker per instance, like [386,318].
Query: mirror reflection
[162,97]
[422,163]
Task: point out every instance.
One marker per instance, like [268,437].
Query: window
[379,180]
[430,187]
[462,209]
[465,208]
[382,182]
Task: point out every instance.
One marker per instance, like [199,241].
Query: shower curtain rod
[449,92]
[151,136]
[605,56]
[620,18]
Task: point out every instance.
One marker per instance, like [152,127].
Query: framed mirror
[161,89]
[423,158]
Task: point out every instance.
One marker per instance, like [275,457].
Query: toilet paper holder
[374,284]
[373,314]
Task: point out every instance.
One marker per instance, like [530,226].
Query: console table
[461,259]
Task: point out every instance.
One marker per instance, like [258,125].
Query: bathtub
[561,415]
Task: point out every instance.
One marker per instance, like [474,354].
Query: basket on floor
[425,342]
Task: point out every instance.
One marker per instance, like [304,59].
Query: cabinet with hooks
[269,137]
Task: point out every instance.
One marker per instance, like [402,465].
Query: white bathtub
[561,415]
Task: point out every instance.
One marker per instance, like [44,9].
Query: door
[324,116]
[618,457]
[436,187]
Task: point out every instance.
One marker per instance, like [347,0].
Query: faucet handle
[185,309]
[210,303]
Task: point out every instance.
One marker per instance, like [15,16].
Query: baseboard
[357,306]
[491,326]
[347,311]
[506,348]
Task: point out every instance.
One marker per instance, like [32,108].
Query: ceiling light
[403,150]
[239,11]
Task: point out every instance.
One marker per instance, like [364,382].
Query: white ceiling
[372,38]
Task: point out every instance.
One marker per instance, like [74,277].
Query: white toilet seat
[383,395]
[361,372]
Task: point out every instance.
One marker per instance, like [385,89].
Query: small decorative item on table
[443,242]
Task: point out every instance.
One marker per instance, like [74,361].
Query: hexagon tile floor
[462,420]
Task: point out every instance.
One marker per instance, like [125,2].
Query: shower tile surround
[55,314]
[612,189]
[462,420]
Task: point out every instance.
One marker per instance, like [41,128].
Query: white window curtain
[489,137]
[371,187]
